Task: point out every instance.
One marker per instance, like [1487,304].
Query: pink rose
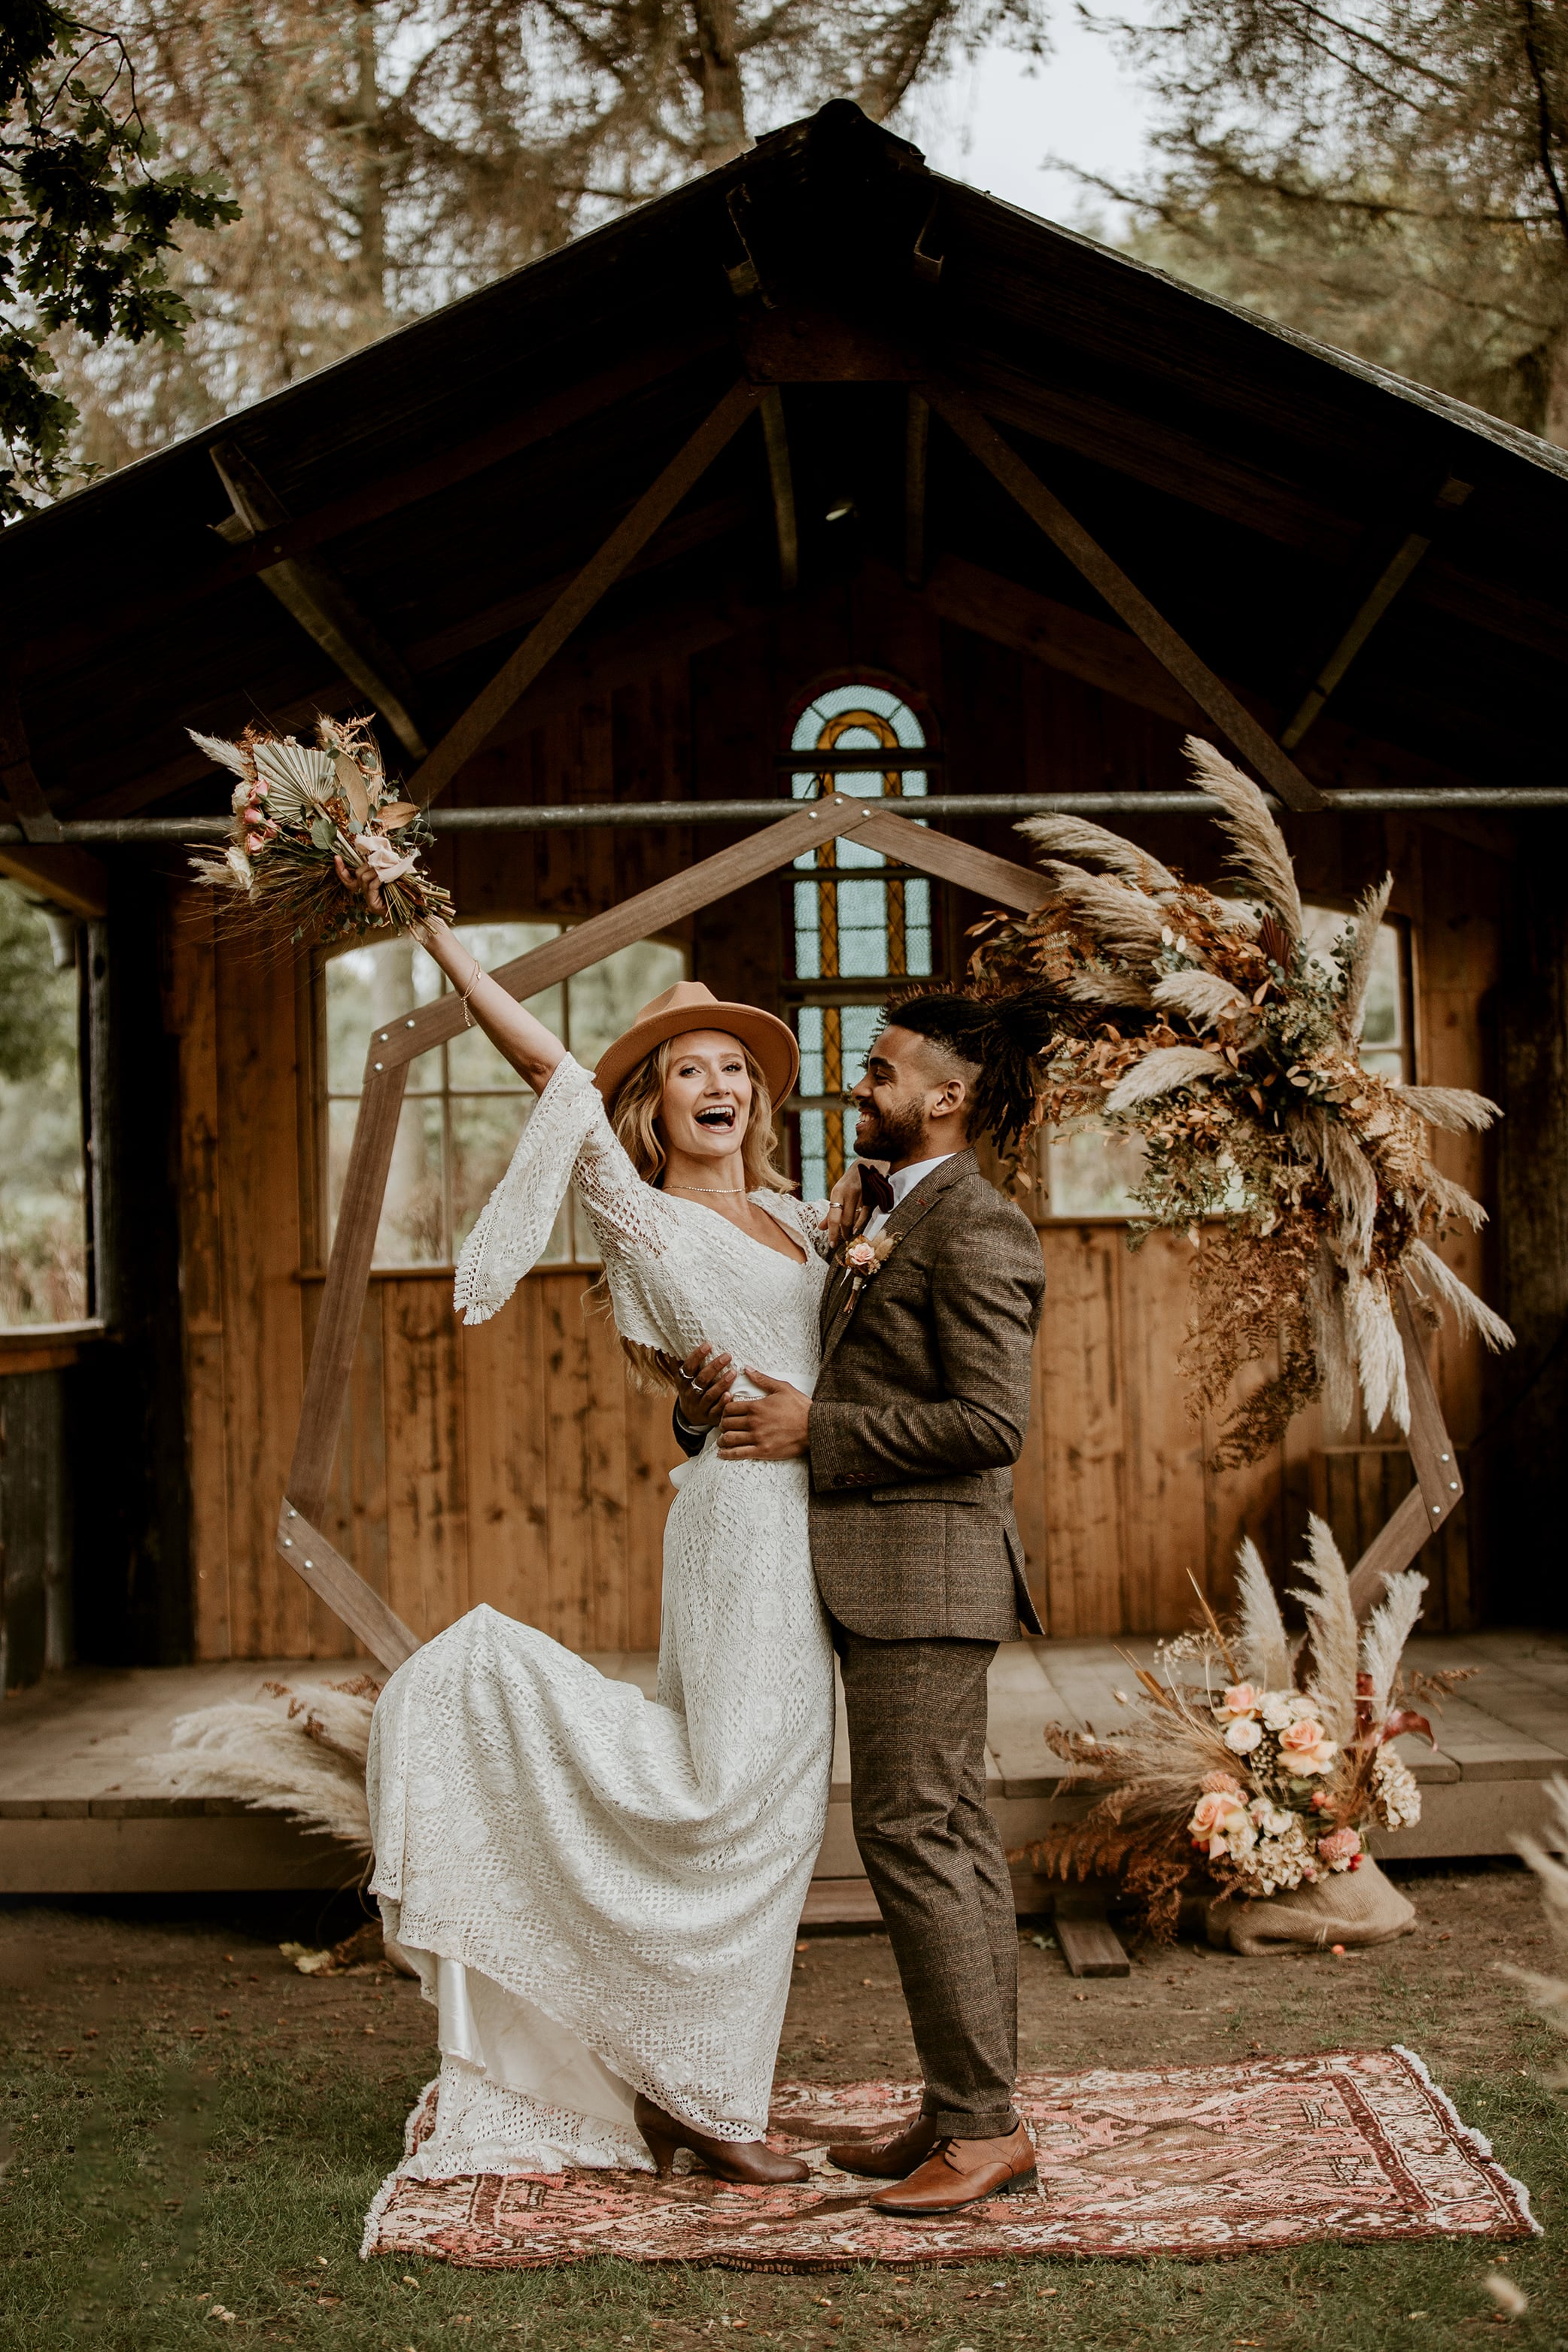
[1240,1699]
[1341,1848]
[861,1256]
[254,842]
[381,858]
[1306,1745]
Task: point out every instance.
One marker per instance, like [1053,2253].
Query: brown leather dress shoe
[749,2160]
[961,2172]
[895,2158]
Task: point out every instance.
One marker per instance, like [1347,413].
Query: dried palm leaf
[1075,839]
[1203,997]
[1160,1073]
[1333,1634]
[1259,857]
[1470,1313]
[1262,1644]
[1388,1629]
[295,775]
[1370,910]
[1455,1108]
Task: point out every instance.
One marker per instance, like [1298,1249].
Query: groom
[919,1414]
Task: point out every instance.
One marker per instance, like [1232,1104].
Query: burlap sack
[1356,1906]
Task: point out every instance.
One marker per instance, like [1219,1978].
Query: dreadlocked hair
[998,1033]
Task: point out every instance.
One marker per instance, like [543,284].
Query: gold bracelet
[478,975]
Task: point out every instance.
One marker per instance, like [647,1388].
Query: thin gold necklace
[723,1192]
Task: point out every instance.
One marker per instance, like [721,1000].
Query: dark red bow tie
[875,1189]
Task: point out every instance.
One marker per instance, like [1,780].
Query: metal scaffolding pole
[948,808]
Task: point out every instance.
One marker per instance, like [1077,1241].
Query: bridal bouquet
[1269,1774]
[1207,1027]
[306,815]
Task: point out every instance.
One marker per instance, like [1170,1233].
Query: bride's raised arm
[512,1029]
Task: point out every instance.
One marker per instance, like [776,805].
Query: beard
[891,1134]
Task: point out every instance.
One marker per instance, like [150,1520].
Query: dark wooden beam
[1042,506]
[917,441]
[490,707]
[319,601]
[1370,610]
[388,494]
[17,781]
[781,482]
[68,876]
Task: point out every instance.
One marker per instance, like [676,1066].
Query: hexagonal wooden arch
[299,1540]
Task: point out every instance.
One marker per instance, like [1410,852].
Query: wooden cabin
[1367,575]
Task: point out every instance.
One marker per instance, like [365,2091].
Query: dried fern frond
[1262,1644]
[1258,856]
[1201,997]
[1370,910]
[1455,1108]
[1160,1073]
[1334,1636]
[1080,843]
[1470,1313]
[1388,1629]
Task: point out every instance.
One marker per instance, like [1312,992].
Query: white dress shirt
[902,1180]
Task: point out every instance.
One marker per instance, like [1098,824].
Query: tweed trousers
[936,1864]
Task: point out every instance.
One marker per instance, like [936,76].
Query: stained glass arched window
[857,919]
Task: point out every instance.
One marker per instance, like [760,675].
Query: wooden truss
[274,546]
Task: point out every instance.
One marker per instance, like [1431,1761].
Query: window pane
[471,1059]
[1090,1173]
[43,1218]
[808,1030]
[485,1132]
[602,1002]
[807,935]
[412,1231]
[812,1159]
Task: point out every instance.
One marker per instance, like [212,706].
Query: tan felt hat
[689,1005]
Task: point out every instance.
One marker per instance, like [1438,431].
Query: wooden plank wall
[511,1464]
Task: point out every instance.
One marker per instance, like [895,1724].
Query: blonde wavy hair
[634,1115]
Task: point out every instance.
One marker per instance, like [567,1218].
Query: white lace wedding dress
[601,1891]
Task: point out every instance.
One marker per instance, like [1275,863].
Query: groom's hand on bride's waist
[767,1428]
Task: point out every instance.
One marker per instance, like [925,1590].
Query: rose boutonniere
[862,1260]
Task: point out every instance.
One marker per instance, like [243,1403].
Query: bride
[600,1892]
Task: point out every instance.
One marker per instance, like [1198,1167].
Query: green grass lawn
[184,2127]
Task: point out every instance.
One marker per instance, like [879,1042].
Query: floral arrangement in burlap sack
[1209,1029]
[1265,1775]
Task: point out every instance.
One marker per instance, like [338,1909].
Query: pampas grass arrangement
[1265,1771]
[1206,1028]
[297,1752]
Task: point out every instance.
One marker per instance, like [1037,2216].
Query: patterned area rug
[1189,2160]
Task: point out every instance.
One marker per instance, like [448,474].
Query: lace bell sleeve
[567,1137]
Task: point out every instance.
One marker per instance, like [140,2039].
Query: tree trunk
[723,100]
[370,170]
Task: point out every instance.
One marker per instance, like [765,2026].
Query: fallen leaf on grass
[1510,2300]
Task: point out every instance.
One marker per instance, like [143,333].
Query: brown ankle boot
[749,2160]
[895,2158]
[961,2173]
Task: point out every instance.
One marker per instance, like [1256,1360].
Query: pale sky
[994,122]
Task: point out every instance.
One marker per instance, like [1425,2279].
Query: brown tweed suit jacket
[919,1414]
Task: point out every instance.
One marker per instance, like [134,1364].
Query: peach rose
[1213,1816]
[1240,1699]
[1306,1745]
[861,1256]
